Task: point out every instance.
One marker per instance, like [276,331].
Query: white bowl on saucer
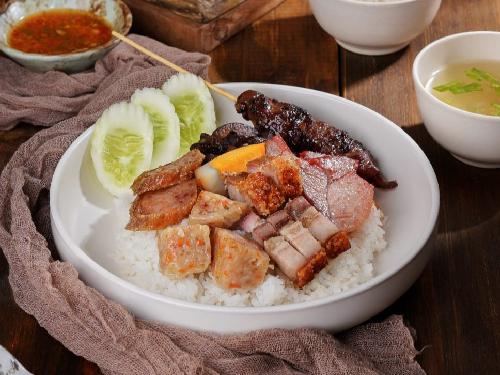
[470,137]
[115,12]
[374,27]
[84,226]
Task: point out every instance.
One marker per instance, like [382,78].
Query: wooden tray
[173,29]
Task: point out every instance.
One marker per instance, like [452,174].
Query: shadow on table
[354,67]
[469,195]
[453,304]
[275,53]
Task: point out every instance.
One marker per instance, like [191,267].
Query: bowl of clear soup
[457,81]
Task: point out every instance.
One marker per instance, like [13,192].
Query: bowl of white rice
[387,253]
[374,27]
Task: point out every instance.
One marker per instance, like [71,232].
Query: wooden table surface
[455,304]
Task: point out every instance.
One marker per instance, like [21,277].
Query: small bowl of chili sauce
[67,35]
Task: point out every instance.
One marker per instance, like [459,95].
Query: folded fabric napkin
[101,330]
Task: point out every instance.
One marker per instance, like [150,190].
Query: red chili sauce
[59,31]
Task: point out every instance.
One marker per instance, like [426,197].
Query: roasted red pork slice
[350,200]
[324,230]
[284,171]
[165,176]
[335,167]
[237,262]
[184,250]
[277,146]
[256,189]
[315,185]
[157,209]
[217,210]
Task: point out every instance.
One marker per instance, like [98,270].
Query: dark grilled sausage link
[302,132]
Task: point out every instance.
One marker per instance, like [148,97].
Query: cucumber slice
[165,122]
[121,146]
[194,106]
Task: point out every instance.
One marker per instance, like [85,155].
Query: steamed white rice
[137,258]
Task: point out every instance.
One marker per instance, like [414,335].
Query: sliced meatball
[237,262]
[184,250]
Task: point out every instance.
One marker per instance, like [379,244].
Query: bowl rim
[421,87]
[378,3]
[414,250]
[8,50]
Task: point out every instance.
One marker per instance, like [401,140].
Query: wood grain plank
[454,306]
[385,83]
[286,46]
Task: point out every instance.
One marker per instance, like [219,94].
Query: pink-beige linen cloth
[102,331]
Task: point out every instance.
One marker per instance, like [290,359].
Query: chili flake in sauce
[59,31]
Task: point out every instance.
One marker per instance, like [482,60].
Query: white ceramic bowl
[114,11]
[470,137]
[84,226]
[374,28]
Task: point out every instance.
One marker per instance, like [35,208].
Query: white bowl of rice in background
[374,27]
[387,255]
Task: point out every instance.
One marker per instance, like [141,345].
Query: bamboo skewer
[170,64]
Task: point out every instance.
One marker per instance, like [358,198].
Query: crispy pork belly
[157,209]
[337,244]
[324,230]
[292,263]
[300,238]
[217,210]
[320,227]
[350,200]
[270,227]
[184,250]
[165,176]
[250,222]
[237,262]
[312,267]
[256,189]
[297,206]
[289,260]
[279,219]
[284,171]
[263,232]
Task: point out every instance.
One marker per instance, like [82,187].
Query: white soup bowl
[470,137]
[374,27]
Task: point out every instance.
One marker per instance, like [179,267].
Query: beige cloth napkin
[101,330]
